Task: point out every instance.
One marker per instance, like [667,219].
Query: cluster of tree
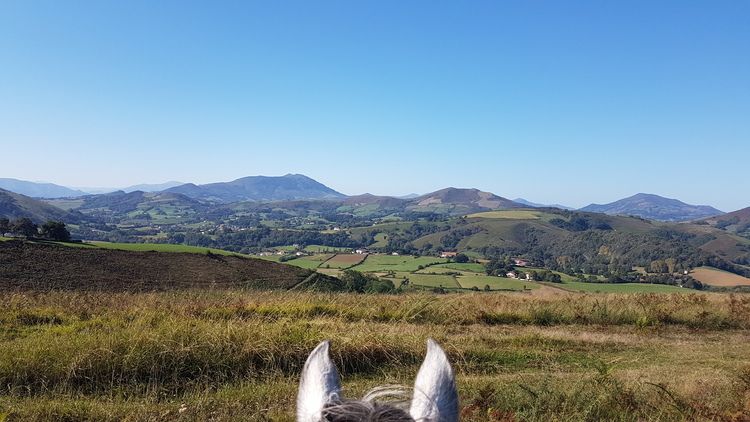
[461,258]
[358,282]
[499,266]
[579,223]
[258,239]
[52,230]
[723,224]
[452,238]
[636,277]
[545,275]
[401,241]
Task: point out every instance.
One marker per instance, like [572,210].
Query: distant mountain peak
[464,196]
[260,188]
[654,207]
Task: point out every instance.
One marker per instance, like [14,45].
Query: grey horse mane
[433,399]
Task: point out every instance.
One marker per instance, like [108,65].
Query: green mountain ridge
[14,206]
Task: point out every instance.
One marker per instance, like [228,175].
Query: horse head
[434,398]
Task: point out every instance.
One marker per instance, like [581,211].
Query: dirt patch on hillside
[348,258]
[719,278]
[547,291]
[27,265]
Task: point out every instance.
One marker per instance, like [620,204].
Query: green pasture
[434,269]
[378,262]
[320,257]
[495,283]
[465,266]
[324,249]
[381,241]
[432,280]
[367,210]
[158,247]
[623,288]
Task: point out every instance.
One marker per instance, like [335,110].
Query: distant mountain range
[655,207]
[536,205]
[38,190]
[51,190]
[449,201]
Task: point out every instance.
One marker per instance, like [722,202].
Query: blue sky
[570,102]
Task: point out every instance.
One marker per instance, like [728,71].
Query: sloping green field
[624,288]
[377,262]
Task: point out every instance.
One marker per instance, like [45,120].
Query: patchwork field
[344,260]
[378,262]
[714,277]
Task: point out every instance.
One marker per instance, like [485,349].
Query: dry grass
[719,278]
[236,354]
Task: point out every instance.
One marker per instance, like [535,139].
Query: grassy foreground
[236,354]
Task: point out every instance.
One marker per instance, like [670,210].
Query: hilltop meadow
[235,354]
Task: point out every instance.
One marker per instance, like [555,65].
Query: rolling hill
[14,206]
[53,267]
[654,207]
[467,198]
[122,202]
[556,238]
[732,222]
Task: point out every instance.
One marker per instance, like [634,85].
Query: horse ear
[318,385]
[435,396]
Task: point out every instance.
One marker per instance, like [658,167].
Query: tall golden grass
[236,354]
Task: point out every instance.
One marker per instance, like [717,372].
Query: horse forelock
[364,411]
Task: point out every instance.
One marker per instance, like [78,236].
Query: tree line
[25,227]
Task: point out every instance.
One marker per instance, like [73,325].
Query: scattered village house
[447,254]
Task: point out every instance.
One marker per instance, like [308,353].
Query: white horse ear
[318,385]
[435,396]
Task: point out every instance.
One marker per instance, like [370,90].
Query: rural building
[447,254]
[521,262]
